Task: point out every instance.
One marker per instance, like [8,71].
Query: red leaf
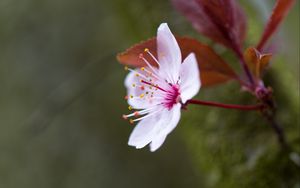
[223,21]
[280,10]
[213,69]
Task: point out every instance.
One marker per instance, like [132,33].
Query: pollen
[136,113]
[131,121]
[124,117]
[129,107]
[146,50]
[143,68]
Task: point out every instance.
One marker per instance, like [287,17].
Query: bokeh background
[62,97]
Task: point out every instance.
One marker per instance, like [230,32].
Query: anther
[129,107]
[131,96]
[133,85]
[124,117]
[137,75]
[142,95]
[142,68]
[131,121]
[146,49]
[126,68]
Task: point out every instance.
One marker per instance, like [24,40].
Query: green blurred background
[62,93]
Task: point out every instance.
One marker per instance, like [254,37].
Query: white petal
[170,119]
[190,78]
[169,54]
[155,127]
[167,125]
[137,102]
[143,133]
[156,143]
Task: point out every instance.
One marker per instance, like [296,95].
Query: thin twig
[227,106]
[278,130]
[244,66]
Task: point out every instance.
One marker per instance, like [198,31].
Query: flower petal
[143,133]
[190,78]
[165,127]
[153,128]
[156,143]
[168,52]
[169,120]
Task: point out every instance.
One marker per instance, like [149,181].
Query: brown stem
[244,66]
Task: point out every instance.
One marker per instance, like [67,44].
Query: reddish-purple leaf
[213,69]
[280,10]
[223,21]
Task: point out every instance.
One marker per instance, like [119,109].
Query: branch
[227,106]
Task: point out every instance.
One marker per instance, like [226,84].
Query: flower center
[172,96]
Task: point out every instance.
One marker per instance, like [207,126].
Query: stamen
[154,58]
[156,86]
[148,64]
[136,113]
[129,107]
[141,112]
[126,68]
[146,116]
[124,117]
[151,74]
[137,74]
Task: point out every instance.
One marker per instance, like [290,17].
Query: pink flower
[157,94]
